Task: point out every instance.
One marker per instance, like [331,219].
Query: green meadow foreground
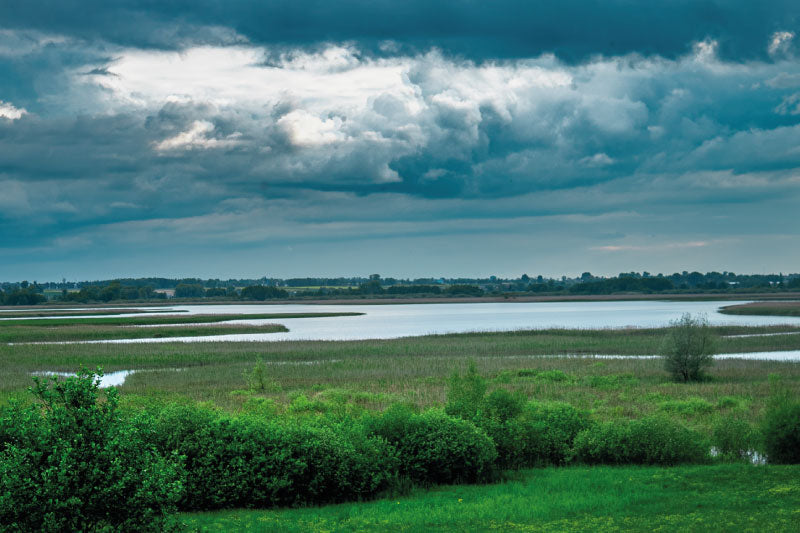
[731,498]
[392,424]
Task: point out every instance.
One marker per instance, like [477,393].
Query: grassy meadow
[306,380]
[547,365]
[791,308]
[730,498]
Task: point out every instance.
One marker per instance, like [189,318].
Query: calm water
[396,320]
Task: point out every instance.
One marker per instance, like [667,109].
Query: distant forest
[374,286]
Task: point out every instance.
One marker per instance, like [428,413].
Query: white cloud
[780,43]
[597,160]
[197,137]
[10,112]
[650,247]
[305,129]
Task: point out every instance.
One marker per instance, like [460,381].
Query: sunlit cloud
[10,112]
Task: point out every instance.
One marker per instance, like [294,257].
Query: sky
[451,138]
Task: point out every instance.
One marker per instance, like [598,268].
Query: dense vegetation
[264,289]
[75,461]
[265,425]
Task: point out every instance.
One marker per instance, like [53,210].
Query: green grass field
[729,498]
[79,332]
[764,309]
[63,312]
[375,373]
[310,378]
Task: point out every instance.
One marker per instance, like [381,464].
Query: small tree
[465,394]
[70,463]
[688,348]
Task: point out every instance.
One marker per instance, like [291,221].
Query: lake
[389,321]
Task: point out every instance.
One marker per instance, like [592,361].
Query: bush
[436,448]
[70,464]
[781,429]
[653,441]
[465,394]
[733,438]
[249,462]
[688,348]
[536,435]
[551,431]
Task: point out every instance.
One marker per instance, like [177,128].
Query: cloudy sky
[416,138]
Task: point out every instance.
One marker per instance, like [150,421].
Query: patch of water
[752,456]
[760,335]
[111,379]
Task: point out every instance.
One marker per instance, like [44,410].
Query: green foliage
[263,292]
[436,448]
[688,348]
[248,462]
[552,428]
[465,393]
[733,438]
[687,407]
[502,405]
[258,379]
[69,464]
[781,429]
[654,440]
[610,381]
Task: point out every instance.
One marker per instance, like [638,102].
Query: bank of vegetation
[75,460]
[297,424]
[153,290]
[791,308]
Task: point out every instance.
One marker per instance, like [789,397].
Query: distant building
[169,293]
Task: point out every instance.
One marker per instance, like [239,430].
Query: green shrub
[554,376]
[249,462]
[436,448]
[70,463]
[781,429]
[258,379]
[688,348]
[688,407]
[501,405]
[550,430]
[653,440]
[465,393]
[733,438]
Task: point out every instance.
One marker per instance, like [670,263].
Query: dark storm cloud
[151,127]
[573,29]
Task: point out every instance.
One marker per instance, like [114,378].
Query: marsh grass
[31,313]
[730,498]
[80,332]
[791,308]
[166,319]
[415,370]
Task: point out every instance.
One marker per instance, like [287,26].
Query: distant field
[376,373]
[76,332]
[729,498]
[163,319]
[764,308]
[63,312]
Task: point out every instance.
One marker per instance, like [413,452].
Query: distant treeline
[145,289]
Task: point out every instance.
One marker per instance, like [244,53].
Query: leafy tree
[263,292]
[688,348]
[189,290]
[69,463]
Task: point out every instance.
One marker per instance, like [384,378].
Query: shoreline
[424,300]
